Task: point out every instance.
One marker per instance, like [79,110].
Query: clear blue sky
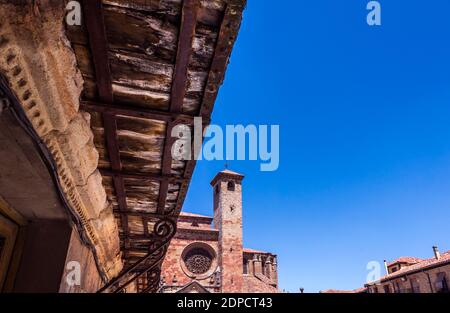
[364,116]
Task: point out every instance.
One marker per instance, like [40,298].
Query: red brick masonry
[206,254]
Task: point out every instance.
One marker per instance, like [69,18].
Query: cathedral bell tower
[227,190]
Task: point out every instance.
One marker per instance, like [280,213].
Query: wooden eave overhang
[147,67]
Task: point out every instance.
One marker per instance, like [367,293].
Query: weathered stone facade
[40,66]
[204,257]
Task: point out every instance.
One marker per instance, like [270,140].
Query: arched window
[231,186]
[441,282]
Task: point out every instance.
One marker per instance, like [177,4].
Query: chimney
[437,254]
[386,267]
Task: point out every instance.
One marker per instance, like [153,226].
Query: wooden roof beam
[178,92]
[95,25]
[184,53]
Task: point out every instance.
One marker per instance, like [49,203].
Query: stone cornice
[41,69]
[198,234]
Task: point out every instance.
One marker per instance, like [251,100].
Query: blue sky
[364,115]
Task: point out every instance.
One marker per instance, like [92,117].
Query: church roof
[187,214]
[226,173]
[247,250]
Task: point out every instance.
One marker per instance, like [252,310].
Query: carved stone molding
[41,69]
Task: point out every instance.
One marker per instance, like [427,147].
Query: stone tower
[227,190]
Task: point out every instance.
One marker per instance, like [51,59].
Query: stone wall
[79,258]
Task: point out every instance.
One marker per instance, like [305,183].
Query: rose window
[198,260]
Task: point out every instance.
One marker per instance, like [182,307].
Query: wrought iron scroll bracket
[163,232]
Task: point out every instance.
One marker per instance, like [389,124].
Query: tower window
[231,186]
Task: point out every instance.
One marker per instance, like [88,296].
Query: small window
[231,186]
[387,289]
[441,283]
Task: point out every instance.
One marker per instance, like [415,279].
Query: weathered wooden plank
[88,105]
[138,71]
[149,34]
[156,177]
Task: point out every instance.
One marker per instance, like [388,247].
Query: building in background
[207,255]
[415,275]
[359,290]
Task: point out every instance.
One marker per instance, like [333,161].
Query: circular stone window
[198,260]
